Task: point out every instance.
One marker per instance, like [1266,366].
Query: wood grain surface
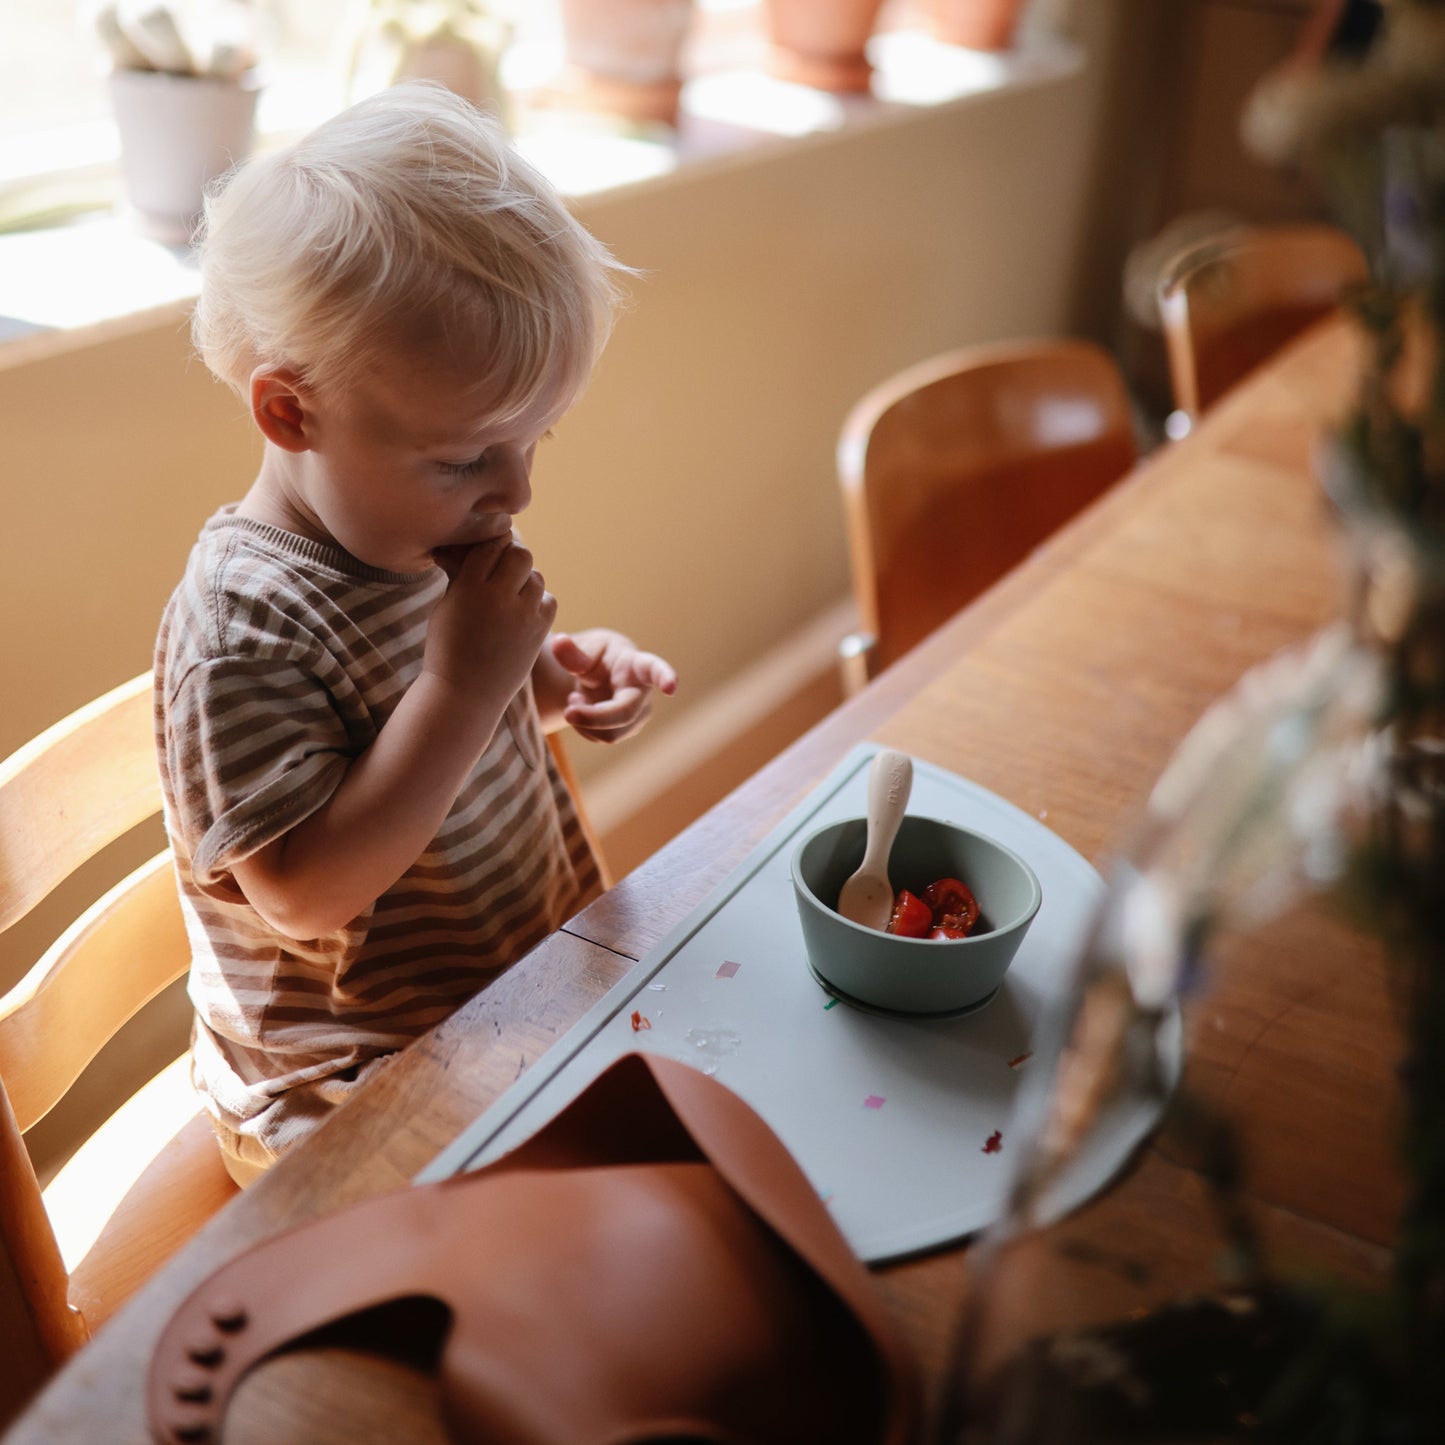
[1065,689]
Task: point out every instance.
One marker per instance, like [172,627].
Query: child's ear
[281,407]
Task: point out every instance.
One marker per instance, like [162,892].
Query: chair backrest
[1229,302]
[63,797]
[955,469]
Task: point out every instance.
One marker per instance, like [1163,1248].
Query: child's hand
[613,683]
[485,634]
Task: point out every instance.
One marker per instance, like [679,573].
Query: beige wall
[777,291]
[113,453]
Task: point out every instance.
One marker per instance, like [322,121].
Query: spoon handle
[890,781]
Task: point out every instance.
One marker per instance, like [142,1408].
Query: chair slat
[107,965]
[69,792]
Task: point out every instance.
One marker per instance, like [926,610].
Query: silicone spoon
[867,896]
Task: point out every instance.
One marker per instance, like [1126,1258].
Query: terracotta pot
[821,42]
[625,56]
[977,24]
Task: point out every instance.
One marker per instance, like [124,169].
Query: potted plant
[1371,132]
[624,57]
[822,42]
[976,24]
[1319,777]
[457,43]
[183,91]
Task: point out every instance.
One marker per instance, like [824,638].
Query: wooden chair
[154,1163]
[557,745]
[955,469]
[1229,302]
[63,797]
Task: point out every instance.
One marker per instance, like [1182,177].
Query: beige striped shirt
[279,660]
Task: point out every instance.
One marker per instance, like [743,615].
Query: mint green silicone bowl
[880,972]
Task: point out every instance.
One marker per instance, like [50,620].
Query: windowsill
[58,284]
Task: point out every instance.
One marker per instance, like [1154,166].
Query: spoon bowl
[866,897]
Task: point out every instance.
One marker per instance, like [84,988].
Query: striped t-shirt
[278,662]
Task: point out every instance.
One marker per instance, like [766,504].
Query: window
[58,146]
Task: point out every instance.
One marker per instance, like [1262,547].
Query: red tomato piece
[911,917]
[952,905]
[948,930]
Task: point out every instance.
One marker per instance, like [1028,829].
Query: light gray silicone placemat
[902,1126]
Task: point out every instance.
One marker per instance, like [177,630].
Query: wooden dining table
[1065,689]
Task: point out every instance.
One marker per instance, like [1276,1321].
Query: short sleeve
[252,746]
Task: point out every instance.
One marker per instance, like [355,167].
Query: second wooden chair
[956,468]
[1229,302]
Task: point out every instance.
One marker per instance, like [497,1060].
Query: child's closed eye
[464,469]
[472,467]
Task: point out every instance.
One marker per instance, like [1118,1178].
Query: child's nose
[510,481]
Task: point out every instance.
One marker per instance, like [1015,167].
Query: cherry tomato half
[911,917]
[951,905]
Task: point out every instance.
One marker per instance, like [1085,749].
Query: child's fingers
[649,670]
[512,567]
[576,660]
[477,559]
[610,676]
[624,710]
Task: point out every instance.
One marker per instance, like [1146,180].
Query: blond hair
[407,213]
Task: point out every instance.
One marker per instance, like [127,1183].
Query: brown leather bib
[651,1265]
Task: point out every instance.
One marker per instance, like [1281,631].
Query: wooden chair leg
[855,662]
[557,743]
[36,1322]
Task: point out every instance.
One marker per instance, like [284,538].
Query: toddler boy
[354,676]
